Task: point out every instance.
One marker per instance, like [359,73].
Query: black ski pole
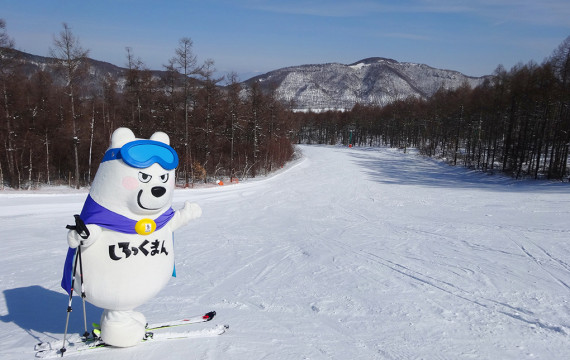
[69,309]
[82,230]
[86,333]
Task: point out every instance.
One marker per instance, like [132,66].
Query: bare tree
[560,60]
[6,63]
[186,64]
[233,105]
[209,102]
[71,60]
[135,71]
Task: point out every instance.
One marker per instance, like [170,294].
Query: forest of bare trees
[55,128]
[517,122]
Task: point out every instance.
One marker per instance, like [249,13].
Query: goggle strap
[112,154]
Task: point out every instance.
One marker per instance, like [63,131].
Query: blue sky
[253,36]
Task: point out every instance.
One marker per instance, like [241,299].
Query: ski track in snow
[344,254]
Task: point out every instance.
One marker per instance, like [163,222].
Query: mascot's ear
[160,136]
[121,136]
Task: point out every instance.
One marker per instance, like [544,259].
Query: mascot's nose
[158,191]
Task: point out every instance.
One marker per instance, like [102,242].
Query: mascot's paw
[74,239]
[191,211]
[122,328]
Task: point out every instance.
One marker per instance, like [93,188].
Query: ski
[149,328]
[191,320]
[82,345]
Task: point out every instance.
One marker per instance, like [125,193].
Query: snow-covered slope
[317,87]
[346,254]
[372,81]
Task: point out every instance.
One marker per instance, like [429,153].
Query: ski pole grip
[80,227]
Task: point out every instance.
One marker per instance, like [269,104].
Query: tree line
[56,126]
[516,122]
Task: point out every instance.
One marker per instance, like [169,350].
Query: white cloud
[543,12]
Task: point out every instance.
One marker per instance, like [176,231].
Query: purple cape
[93,213]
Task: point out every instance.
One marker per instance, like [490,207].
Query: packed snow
[344,254]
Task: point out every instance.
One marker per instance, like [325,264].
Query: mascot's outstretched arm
[189,212]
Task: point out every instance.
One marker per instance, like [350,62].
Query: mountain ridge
[371,81]
[374,81]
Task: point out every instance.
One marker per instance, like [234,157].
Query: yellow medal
[145,226]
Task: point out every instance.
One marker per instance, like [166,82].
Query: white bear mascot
[128,256]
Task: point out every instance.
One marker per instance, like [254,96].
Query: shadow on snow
[36,309]
[394,167]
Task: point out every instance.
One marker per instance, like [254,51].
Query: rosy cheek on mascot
[128,256]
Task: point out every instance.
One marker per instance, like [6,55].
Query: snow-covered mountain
[98,70]
[318,87]
[372,81]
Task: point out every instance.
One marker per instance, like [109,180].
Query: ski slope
[344,254]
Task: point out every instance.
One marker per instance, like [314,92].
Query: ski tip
[209,316]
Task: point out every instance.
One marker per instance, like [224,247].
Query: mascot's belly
[127,270]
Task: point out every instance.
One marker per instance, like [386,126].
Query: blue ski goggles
[141,154]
